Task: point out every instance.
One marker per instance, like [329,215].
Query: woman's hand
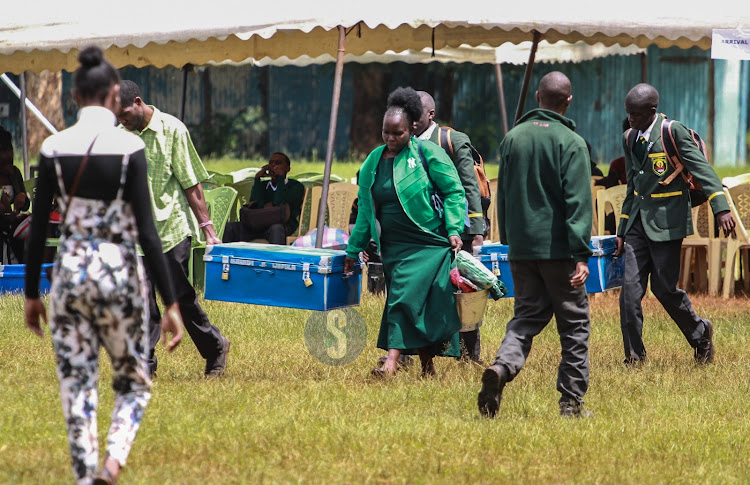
[456,243]
[19,201]
[349,264]
[33,310]
[171,322]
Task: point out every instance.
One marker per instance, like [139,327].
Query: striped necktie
[639,150]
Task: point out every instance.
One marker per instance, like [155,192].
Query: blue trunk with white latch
[605,270]
[283,276]
[13,276]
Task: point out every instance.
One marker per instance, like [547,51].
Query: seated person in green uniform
[415,240]
[276,191]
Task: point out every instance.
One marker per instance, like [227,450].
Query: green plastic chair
[30,186]
[219,202]
[220,179]
[244,174]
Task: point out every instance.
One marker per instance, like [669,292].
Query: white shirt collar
[272,186]
[426,134]
[96,115]
[646,134]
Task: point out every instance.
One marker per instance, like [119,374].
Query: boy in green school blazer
[655,219]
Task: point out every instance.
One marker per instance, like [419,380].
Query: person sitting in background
[13,199]
[277,191]
[616,175]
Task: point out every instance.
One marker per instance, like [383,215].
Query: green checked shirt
[173,166]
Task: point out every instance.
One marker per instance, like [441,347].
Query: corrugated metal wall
[297,99]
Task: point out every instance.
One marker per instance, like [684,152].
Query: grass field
[280,416]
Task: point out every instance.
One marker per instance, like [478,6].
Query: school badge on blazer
[658,163]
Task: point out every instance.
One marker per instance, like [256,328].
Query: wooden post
[338,75]
[501,97]
[527,77]
[24,126]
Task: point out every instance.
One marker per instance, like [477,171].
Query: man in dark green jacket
[655,218]
[544,215]
[473,234]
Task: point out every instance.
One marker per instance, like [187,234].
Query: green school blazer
[464,163]
[665,209]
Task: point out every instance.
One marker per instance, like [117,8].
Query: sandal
[380,373]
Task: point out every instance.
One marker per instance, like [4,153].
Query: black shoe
[574,409]
[633,362]
[704,352]
[215,367]
[493,382]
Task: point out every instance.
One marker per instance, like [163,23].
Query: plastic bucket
[471,308]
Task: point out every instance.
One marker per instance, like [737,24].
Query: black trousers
[660,260]
[236,231]
[205,336]
[542,289]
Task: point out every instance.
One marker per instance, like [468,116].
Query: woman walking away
[397,184]
[98,294]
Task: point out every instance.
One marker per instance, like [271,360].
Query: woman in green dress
[397,185]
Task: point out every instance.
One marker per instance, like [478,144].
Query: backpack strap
[673,154]
[444,140]
[630,136]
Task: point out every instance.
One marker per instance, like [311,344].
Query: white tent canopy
[517,54]
[41,34]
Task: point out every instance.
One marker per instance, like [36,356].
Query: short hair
[554,89]
[286,158]
[6,139]
[428,102]
[643,94]
[95,76]
[128,92]
[406,101]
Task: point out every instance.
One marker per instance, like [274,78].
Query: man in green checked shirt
[175,172]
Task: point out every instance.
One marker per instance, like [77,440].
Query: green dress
[420,309]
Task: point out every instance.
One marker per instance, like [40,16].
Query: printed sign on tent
[730,44]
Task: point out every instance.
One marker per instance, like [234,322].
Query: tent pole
[501,97]
[34,110]
[183,97]
[331,134]
[24,128]
[527,77]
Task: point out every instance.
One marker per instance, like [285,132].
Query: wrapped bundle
[473,270]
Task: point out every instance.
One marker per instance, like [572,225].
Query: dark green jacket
[414,187]
[292,192]
[665,209]
[464,163]
[544,189]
